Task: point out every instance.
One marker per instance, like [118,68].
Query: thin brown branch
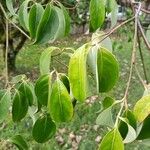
[6,54]
[142,58]
[3,10]
[114,29]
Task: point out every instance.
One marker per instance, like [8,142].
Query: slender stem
[114,29]
[133,57]
[6,54]
[142,58]
[4,12]
[139,76]
[143,35]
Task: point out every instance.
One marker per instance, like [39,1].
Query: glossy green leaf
[60,105]
[112,141]
[97,14]
[19,107]
[43,88]
[131,133]
[77,73]
[145,132]
[48,25]
[124,126]
[107,70]
[43,129]
[9,4]
[142,108]
[35,15]
[5,101]
[45,60]
[25,89]
[20,142]
[65,81]
[23,15]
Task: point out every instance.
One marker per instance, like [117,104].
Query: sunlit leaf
[142,108]
[112,141]
[77,73]
[43,129]
[60,105]
[45,60]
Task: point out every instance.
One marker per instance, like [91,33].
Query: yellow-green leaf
[112,141]
[60,105]
[142,108]
[77,73]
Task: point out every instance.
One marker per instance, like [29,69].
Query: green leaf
[107,70]
[114,15]
[110,4]
[18,78]
[43,88]
[43,129]
[106,43]
[48,25]
[131,133]
[19,141]
[97,14]
[19,107]
[112,141]
[23,15]
[64,22]
[45,60]
[66,18]
[60,105]
[5,99]
[9,4]
[144,132]
[105,116]
[148,33]
[35,15]
[77,73]
[142,108]
[124,126]
[25,89]
[107,102]
[64,78]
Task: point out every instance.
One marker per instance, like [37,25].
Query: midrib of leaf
[45,124]
[101,67]
[59,92]
[114,135]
